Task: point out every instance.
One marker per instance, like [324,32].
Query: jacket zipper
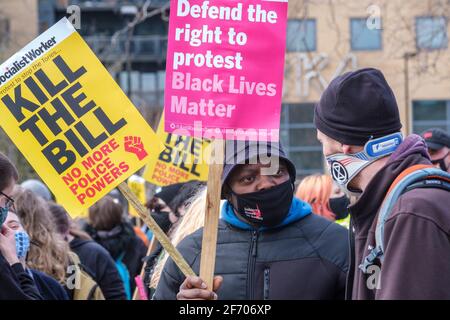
[251,266]
[266,283]
[351,267]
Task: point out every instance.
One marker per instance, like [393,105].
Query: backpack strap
[417,176]
[124,275]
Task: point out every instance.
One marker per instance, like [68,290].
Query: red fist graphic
[135,145]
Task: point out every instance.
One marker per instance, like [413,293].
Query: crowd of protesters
[279,237]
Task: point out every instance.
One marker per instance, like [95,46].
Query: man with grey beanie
[269,244]
[400,231]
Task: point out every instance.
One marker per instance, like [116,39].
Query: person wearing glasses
[15,282]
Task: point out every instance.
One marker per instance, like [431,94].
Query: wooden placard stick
[157,232]
[212,209]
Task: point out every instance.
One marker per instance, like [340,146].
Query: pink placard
[224,74]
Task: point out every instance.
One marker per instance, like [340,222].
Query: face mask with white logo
[266,208]
[344,167]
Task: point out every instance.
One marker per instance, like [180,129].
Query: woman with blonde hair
[193,219]
[91,254]
[326,199]
[48,251]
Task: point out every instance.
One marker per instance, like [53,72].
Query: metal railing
[107,4]
[142,48]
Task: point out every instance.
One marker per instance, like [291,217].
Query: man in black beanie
[358,124]
[269,245]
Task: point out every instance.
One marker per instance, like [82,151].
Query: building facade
[406,40]
[134,56]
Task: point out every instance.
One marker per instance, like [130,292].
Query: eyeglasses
[9,201]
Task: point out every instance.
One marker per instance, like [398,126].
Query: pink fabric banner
[224,74]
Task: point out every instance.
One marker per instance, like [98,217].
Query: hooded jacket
[305,257]
[122,242]
[100,264]
[416,237]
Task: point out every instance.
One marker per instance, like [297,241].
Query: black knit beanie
[356,107]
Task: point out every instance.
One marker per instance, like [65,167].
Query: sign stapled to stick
[225,67]
[74,124]
[184,158]
[70,119]
[224,79]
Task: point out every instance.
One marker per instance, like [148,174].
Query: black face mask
[339,207]
[441,162]
[266,208]
[162,219]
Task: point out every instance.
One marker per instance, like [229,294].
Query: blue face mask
[22,244]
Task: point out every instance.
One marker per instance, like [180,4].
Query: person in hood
[193,219]
[438,143]
[269,245]
[107,226]
[168,205]
[160,209]
[358,124]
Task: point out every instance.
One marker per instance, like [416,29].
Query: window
[431,33]
[363,38]
[129,79]
[299,138]
[153,88]
[145,87]
[301,35]
[431,114]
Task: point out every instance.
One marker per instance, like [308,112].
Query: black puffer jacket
[307,259]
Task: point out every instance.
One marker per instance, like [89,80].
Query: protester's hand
[8,245]
[193,288]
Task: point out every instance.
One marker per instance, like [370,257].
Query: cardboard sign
[184,158]
[224,71]
[137,185]
[70,119]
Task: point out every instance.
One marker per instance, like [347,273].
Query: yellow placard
[183,159]
[137,185]
[70,119]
